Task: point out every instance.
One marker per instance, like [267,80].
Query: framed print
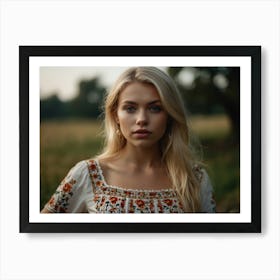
[71,96]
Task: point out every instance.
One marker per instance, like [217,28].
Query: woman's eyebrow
[135,103]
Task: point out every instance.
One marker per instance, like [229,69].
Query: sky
[64,80]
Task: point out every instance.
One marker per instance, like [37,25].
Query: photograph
[140,130]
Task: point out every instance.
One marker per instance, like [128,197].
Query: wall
[139,256]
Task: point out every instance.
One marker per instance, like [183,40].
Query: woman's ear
[116,118]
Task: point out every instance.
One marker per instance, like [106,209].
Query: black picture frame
[252,52]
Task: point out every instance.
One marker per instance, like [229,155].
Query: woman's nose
[142,118]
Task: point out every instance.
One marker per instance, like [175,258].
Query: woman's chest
[153,180]
[126,193]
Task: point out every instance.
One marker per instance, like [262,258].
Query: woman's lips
[142,133]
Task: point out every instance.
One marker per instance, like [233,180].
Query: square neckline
[121,188]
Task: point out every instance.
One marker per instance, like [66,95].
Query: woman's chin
[145,144]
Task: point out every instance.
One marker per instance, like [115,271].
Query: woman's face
[140,115]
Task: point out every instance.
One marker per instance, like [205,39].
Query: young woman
[147,165]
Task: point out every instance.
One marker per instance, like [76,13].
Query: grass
[64,143]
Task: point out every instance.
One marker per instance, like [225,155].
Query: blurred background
[71,100]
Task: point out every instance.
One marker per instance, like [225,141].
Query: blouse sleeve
[70,196]
[208,203]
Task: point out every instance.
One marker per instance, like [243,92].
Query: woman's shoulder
[206,189]
[201,175]
[69,195]
[199,172]
[82,169]
[79,166]
[77,171]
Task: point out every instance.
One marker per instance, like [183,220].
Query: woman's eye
[130,109]
[155,109]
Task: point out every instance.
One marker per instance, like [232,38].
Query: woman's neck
[141,157]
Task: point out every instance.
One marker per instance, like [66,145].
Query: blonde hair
[175,145]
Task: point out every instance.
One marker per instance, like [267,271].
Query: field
[64,143]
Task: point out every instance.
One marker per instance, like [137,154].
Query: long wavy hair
[176,150]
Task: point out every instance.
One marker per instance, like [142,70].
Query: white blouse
[84,190]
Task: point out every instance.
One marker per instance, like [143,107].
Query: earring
[118,132]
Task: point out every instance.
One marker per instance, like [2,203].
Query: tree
[90,98]
[211,90]
[87,103]
[52,107]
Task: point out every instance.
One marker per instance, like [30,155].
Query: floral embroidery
[98,183]
[111,199]
[93,167]
[67,188]
[168,202]
[152,206]
[160,207]
[60,200]
[104,198]
[52,200]
[198,172]
[131,207]
[140,203]
[122,203]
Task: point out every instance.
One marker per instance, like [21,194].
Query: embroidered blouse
[85,190]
